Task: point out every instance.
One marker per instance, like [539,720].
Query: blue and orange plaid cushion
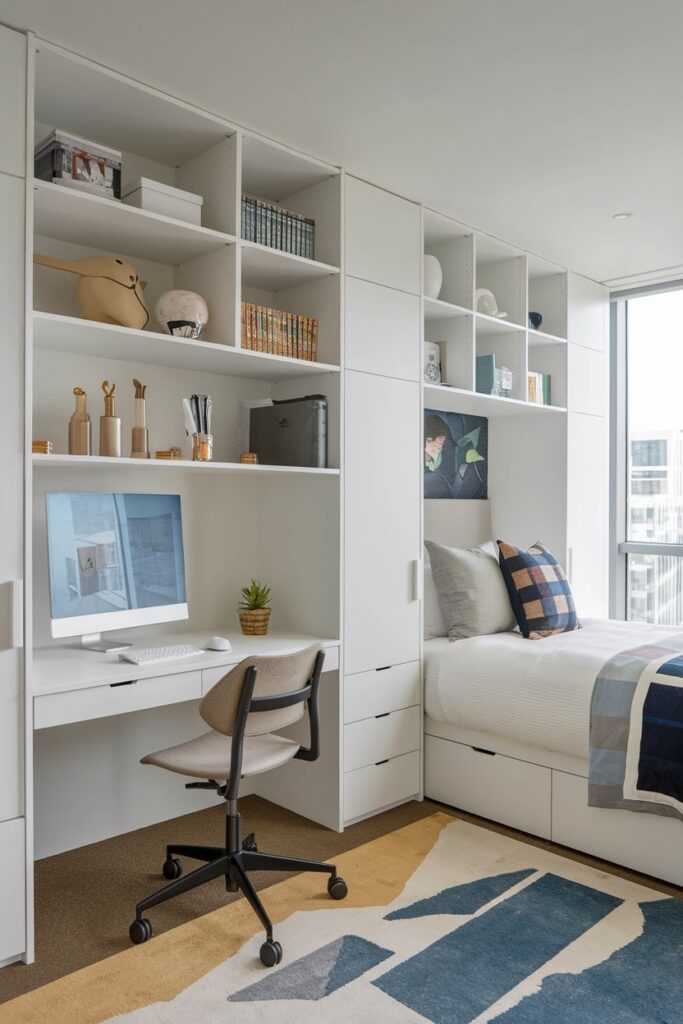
[539,591]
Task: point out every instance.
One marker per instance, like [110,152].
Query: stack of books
[539,387]
[278,332]
[277,228]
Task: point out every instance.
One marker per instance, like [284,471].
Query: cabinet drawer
[513,792]
[367,694]
[375,739]
[12,888]
[101,701]
[379,785]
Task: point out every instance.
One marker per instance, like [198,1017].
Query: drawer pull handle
[385,761]
[482,750]
[385,714]
[126,682]
[383,668]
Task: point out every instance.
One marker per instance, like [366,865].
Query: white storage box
[156,197]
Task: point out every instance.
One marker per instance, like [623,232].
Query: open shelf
[437,309]
[541,338]
[450,399]
[273,269]
[53,332]
[491,325]
[112,226]
[105,462]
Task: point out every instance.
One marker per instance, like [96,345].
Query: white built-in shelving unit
[341,546]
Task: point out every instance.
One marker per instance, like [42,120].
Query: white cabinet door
[587,313]
[13,106]
[382,332]
[12,888]
[382,509]
[587,526]
[382,237]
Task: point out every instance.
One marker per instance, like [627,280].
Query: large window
[648,449]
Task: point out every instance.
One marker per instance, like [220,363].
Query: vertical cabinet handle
[416,569]
[17,612]
[570,564]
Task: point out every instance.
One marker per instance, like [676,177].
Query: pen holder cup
[202,447]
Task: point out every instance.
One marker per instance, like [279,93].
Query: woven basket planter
[254,622]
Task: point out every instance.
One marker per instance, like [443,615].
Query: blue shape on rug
[462,899]
[318,974]
[462,974]
[639,984]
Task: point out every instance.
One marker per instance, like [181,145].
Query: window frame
[620,548]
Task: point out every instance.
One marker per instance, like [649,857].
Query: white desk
[70,684]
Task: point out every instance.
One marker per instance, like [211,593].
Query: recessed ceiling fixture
[621,216]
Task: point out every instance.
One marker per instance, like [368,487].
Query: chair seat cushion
[208,756]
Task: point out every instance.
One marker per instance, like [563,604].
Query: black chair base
[233,865]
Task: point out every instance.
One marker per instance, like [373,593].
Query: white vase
[432,277]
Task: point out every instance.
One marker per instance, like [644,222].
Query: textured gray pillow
[471,590]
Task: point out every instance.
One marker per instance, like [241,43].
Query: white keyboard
[152,655]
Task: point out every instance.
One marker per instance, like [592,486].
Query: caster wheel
[140,930]
[249,844]
[271,953]
[337,888]
[172,868]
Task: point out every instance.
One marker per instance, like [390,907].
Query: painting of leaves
[455,455]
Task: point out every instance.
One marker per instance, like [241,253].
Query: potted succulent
[253,609]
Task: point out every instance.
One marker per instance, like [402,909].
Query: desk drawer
[367,694]
[101,701]
[379,785]
[375,739]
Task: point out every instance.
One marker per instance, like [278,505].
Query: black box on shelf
[292,432]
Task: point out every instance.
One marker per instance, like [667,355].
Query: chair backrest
[275,676]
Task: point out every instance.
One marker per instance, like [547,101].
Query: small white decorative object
[182,314]
[486,302]
[432,277]
[432,362]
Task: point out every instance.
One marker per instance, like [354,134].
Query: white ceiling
[535,120]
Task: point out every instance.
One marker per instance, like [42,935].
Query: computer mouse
[218,643]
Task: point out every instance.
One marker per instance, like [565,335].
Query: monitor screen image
[114,560]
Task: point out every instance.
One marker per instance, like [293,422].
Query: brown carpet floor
[85,899]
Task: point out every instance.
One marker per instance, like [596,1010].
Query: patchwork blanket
[636,730]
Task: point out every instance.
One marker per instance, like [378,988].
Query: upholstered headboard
[460,523]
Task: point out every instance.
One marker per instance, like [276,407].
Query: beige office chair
[244,710]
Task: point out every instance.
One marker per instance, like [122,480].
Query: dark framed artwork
[455,455]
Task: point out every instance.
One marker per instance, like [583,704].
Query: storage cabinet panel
[382,330]
[370,789]
[588,313]
[587,490]
[382,509]
[13,108]
[640,841]
[375,739]
[513,792]
[12,889]
[586,381]
[367,694]
[382,237]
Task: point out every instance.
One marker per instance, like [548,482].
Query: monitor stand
[94,642]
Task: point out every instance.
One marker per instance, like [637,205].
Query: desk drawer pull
[383,668]
[126,682]
[384,714]
[482,750]
[385,761]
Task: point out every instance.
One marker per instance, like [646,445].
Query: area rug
[445,922]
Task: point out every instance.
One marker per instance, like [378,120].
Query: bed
[507,735]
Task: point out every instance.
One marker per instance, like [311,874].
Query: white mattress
[536,692]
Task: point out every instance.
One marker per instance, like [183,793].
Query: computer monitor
[114,560]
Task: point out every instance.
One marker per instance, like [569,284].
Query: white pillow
[472,593]
[434,624]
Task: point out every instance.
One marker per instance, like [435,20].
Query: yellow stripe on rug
[159,970]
